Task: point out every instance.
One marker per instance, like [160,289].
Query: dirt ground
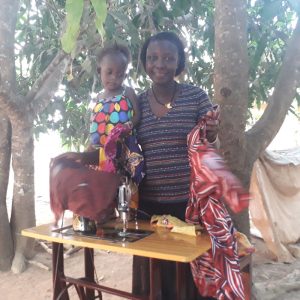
[35,283]
[272,280]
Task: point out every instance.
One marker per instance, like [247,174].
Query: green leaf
[160,13]
[260,49]
[110,27]
[298,98]
[123,20]
[74,9]
[184,5]
[87,65]
[101,13]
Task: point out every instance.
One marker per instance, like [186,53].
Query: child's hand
[129,124]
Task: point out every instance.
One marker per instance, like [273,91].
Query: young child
[117,103]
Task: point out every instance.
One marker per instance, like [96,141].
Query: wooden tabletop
[161,244]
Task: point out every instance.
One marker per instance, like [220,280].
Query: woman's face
[161,61]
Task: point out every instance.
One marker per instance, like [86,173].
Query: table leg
[89,271]
[181,285]
[58,271]
[155,280]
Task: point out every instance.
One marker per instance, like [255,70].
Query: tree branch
[9,107]
[46,85]
[266,128]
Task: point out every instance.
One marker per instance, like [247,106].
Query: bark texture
[8,16]
[23,204]
[231,88]
[241,148]
[17,121]
[6,245]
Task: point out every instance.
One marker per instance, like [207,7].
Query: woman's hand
[212,124]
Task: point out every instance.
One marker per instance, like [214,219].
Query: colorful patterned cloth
[124,154]
[107,113]
[217,272]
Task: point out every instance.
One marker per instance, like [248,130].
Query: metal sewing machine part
[83,224]
[124,197]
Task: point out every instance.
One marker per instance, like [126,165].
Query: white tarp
[275,207]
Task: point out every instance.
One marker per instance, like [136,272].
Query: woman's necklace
[169,104]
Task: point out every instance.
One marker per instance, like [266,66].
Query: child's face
[113,71]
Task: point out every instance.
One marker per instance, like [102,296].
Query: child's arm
[129,92]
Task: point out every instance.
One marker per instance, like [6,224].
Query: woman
[169,111]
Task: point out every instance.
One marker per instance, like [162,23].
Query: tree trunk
[6,245]
[20,111]
[19,146]
[241,148]
[23,208]
[8,17]
[231,88]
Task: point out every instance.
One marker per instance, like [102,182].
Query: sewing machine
[120,231]
[124,196]
[85,225]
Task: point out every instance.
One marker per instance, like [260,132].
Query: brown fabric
[86,192]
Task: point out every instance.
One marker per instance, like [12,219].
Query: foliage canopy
[270,24]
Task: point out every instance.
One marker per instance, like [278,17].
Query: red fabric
[214,175]
[111,145]
[217,272]
[86,192]
[123,154]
